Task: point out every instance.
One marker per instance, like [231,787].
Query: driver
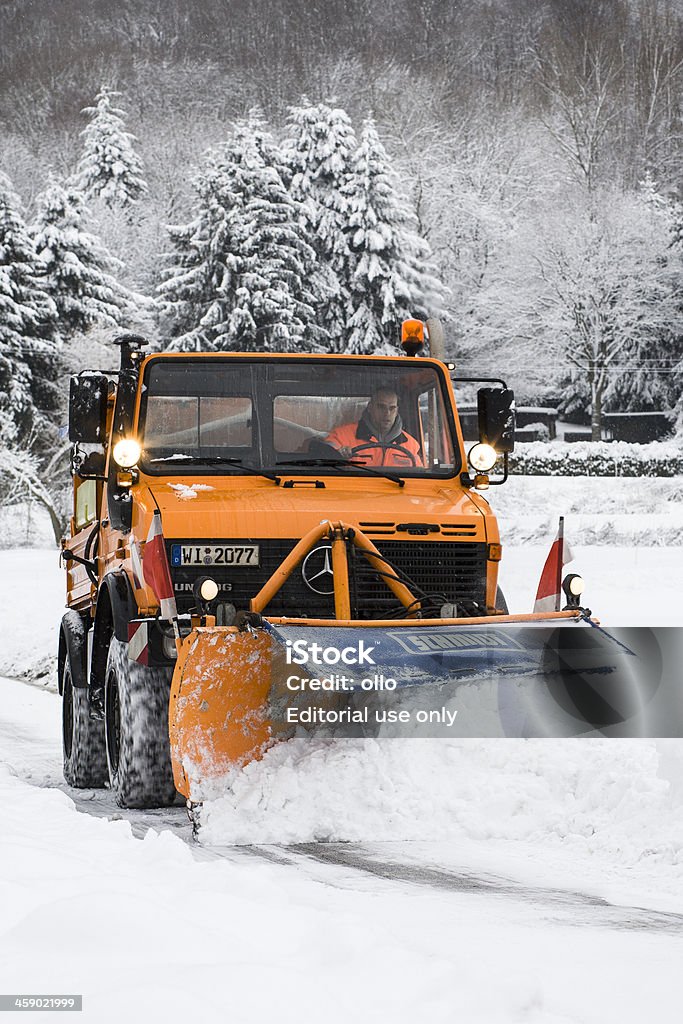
[379,435]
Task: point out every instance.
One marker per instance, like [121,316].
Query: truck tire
[85,757]
[501,603]
[136,729]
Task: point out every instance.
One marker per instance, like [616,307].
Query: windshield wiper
[220,460]
[344,462]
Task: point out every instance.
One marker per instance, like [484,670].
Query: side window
[424,427]
[435,434]
[86,503]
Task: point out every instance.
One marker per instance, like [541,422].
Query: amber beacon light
[412,336]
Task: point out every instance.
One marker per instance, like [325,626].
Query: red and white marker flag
[136,564]
[549,593]
[156,570]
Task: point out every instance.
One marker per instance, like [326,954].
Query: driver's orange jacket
[357,435]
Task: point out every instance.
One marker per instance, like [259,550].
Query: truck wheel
[85,758]
[136,727]
[501,603]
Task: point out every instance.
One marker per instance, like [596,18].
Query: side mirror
[88,467]
[496,412]
[88,408]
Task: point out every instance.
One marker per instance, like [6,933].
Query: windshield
[295,416]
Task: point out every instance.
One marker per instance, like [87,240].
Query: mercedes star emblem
[317,570]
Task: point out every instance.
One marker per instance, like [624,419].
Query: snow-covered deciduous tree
[318,153]
[589,288]
[392,276]
[470,184]
[28,328]
[651,382]
[243,270]
[109,168]
[77,269]
[581,79]
[23,480]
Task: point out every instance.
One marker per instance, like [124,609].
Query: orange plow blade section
[217,710]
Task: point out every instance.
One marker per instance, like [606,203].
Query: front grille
[451,571]
[454,572]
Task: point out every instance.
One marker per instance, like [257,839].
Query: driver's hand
[345,452]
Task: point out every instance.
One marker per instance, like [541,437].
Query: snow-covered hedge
[600,458]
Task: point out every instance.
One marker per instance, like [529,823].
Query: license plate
[215,554]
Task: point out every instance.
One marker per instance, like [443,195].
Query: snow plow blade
[236,693]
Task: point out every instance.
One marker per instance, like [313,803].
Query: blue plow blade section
[527,679]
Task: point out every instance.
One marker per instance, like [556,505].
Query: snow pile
[598,510]
[602,797]
[31,578]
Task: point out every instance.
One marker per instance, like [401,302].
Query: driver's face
[383,409]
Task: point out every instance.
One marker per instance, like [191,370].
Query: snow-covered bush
[538,431]
[588,458]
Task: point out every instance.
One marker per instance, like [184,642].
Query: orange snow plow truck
[231,510]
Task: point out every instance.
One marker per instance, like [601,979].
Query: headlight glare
[127,453]
[482,457]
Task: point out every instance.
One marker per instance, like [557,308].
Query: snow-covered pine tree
[77,269]
[28,325]
[109,167]
[318,151]
[392,276]
[262,139]
[242,268]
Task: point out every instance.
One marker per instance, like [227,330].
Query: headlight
[127,453]
[575,585]
[208,589]
[204,591]
[482,457]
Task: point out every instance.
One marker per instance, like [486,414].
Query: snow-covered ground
[605,511]
[529,906]
[492,881]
